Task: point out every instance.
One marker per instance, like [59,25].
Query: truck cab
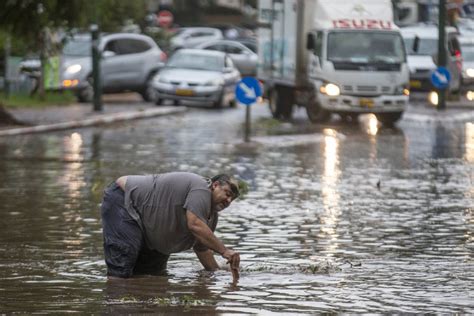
[332,56]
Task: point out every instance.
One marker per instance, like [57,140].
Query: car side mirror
[416,44]
[310,41]
[108,53]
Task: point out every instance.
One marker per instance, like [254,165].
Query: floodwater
[339,218]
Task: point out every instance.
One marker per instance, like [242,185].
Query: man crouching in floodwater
[146,218]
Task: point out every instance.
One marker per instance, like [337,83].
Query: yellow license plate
[184,92]
[366,102]
[415,84]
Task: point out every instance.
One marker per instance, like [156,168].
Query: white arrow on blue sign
[248,90]
[440,78]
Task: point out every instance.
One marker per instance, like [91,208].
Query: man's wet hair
[226,179]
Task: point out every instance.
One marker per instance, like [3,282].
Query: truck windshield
[365,47]
[426,46]
[77,47]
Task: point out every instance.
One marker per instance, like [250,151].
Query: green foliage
[26,18]
[112,14]
[243,188]
[27,101]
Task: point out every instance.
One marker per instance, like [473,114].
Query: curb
[96,120]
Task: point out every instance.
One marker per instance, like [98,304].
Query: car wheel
[159,101]
[389,119]
[316,113]
[233,103]
[149,94]
[219,103]
[86,94]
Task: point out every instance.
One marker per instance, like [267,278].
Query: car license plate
[366,102]
[184,92]
[415,84]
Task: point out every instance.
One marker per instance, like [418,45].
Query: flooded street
[339,218]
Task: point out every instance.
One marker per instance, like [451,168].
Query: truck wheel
[389,119]
[281,103]
[316,113]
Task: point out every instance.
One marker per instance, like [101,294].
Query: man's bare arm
[206,237]
[207,260]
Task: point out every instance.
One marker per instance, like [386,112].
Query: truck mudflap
[356,104]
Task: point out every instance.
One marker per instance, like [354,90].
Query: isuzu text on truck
[332,56]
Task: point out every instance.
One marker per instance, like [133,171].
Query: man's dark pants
[124,246]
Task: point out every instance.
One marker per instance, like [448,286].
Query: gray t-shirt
[159,202]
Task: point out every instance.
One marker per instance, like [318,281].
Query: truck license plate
[366,102]
[184,92]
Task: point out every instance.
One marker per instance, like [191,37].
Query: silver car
[129,62]
[206,77]
[190,37]
[243,57]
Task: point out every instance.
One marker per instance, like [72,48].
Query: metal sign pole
[442,51]
[247,124]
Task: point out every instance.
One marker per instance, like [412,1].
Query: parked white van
[421,42]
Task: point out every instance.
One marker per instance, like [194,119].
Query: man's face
[222,196]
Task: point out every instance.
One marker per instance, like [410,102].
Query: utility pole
[442,50]
[7,74]
[96,68]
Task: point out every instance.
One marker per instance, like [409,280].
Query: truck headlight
[403,89]
[73,69]
[330,89]
[433,98]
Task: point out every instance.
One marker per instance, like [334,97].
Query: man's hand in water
[233,258]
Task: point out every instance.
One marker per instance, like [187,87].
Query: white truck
[332,56]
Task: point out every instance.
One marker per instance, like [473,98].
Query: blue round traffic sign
[248,90]
[440,78]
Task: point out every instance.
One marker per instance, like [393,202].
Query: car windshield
[365,47]
[426,46]
[77,47]
[196,61]
[468,53]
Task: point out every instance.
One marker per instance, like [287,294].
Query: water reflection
[412,238]
[73,178]
[469,131]
[330,194]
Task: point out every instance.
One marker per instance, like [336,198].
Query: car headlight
[73,69]
[160,79]
[215,82]
[470,72]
